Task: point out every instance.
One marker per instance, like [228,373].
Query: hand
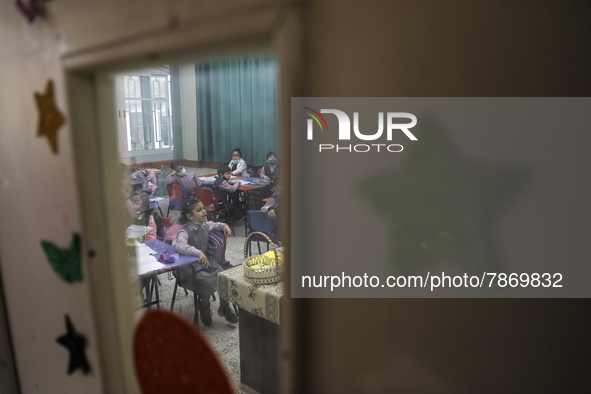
[271,214]
[227,230]
[203,260]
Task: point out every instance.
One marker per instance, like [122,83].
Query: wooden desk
[259,328]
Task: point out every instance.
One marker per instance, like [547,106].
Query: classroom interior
[162,114]
[319,48]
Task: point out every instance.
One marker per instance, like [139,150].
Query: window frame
[276,27]
[123,114]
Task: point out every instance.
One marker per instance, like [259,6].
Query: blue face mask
[183,172]
[271,162]
[235,161]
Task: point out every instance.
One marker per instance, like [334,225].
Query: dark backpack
[216,248]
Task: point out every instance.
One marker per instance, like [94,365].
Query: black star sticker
[75,343]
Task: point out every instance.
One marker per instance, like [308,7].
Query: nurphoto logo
[344,130]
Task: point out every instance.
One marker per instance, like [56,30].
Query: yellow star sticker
[50,120]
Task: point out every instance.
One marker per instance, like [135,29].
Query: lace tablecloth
[260,300]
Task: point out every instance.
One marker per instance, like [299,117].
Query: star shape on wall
[31,10]
[50,119]
[75,343]
[65,262]
[440,207]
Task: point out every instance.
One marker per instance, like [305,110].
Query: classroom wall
[376,48]
[189,111]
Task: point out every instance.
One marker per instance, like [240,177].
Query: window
[145,125]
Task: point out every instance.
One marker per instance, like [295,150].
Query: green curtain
[236,108]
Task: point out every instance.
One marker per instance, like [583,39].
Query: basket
[261,269]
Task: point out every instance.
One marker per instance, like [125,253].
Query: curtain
[236,108]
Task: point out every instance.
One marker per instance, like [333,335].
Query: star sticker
[31,10]
[65,261]
[75,343]
[440,208]
[50,120]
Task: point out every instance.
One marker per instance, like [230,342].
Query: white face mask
[183,172]
[195,222]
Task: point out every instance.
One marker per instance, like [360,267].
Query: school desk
[209,179]
[259,316]
[247,184]
[180,260]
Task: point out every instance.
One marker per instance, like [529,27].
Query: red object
[171,356]
[175,197]
[211,203]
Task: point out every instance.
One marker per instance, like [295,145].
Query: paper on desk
[144,250]
[207,178]
[147,263]
[135,231]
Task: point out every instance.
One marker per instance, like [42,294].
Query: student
[192,240]
[272,205]
[188,181]
[142,215]
[150,179]
[227,191]
[271,169]
[237,164]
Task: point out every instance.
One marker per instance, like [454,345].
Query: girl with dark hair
[237,164]
[192,240]
[142,215]
[227,191]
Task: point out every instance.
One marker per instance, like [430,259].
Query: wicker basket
[261,269]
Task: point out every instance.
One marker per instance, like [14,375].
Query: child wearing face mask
[237,165]
[227,191]
[192,240]
[271,169]
[188,181]
[150,179]
[142,216]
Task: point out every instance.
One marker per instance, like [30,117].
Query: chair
[216,250]
[259,222]
[212,204]
[175,197]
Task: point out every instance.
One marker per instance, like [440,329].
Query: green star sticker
[441,208]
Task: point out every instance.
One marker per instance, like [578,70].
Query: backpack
[216,248]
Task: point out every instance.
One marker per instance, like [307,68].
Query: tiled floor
[222,336]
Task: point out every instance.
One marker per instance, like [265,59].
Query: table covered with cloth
[260,300]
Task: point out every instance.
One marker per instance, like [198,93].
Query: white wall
[44,195]
[188,111]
